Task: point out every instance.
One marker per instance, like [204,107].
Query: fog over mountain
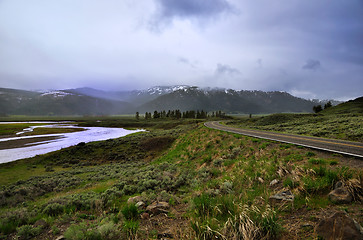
[310,49]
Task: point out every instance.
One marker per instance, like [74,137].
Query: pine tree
[327,105]
[178,114]
[198,114]
[203,114]
[317,108]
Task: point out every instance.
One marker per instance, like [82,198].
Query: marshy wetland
[176,180]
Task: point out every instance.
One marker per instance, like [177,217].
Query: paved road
[331,145]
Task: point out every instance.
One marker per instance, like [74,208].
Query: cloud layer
[311,64]
[192,8]
[309,48]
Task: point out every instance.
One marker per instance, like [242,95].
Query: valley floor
[179,180]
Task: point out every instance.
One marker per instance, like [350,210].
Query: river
[29,146]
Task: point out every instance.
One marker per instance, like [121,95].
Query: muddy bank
[20,143]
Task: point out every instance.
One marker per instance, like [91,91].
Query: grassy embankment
[217,184]
[344,126]
[343,121]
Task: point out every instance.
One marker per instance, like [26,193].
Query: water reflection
[51,142]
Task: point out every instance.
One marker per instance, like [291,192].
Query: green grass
[13,128]
[22,170]
[130,212]
[353,106]
[317,161]
[340,126]
[221,180]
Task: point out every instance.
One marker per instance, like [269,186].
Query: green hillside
[18,102]
[352,106]
[344,121]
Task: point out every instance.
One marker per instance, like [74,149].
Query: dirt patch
[174,225]
[157,143]
[300,223]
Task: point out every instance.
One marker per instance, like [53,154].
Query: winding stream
[15,148]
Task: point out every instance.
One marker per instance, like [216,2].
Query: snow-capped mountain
[137,97]
[161,90]
[228,100]
[88,101]
[56,94]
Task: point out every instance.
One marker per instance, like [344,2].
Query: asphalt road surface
[332,145]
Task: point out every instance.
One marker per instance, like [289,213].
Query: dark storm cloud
[198,10]
[311,64]
[226,69]
[191,8]
[332,27]
[64,44]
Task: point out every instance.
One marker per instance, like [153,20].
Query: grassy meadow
[217,185]
[341,126]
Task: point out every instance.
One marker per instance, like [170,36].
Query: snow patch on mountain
[161,90]
[56,94]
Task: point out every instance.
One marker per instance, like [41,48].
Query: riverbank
[35,139]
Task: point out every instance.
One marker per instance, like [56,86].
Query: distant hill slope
[352,106]
[136,97]
[18,102]
[230,101]
[88,101]
[11,99]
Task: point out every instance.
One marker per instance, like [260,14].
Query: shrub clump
[53,209]
[28,231]
[130,212]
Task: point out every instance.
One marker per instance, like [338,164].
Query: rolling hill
[352,106]
[18,102]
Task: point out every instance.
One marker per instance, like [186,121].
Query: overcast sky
[309,48]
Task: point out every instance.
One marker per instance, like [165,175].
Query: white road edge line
[299,144]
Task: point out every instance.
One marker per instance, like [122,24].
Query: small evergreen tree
[163,114]
[198,114]
[328,105]
[317,108]
[203,114]
[178,114]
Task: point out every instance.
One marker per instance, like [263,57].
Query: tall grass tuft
[203,205]
[252,223]
[130,212]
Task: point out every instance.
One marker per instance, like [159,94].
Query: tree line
[177,114]
[319,108]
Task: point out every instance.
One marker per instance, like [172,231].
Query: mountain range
[88,101]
